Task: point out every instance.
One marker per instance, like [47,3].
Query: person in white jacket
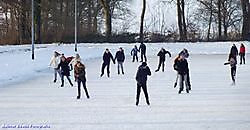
[54,64]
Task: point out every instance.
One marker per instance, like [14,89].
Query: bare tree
[142,20]
[246,19]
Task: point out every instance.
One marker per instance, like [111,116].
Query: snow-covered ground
[28,96]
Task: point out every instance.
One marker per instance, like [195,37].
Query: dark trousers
[242,57]
[188,80]
[104,65]
[144,88]
[68,80]
[135,57]
[233,73]
[161,62]
[84,87]
[143,54]
[120,65]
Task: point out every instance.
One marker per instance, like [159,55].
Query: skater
[79,72]
[162,56]
[185,53]
[142,49]
[75,60]
[233,64]
[181,66]
[65,70]
[134,52]
[120,57]
[54,64]
[242,53]
[141,78]
[233,51]
[107,56]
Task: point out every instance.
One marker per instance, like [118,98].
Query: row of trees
[54,21]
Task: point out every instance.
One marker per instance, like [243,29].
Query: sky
[160,11]
[154,8]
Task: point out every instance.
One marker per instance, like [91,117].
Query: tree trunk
[179,12]
[246,18]
[107,16]
[210,20]
[38,21]
[142,21]
[219,19]
[184,21]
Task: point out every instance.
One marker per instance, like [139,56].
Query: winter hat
[144,64]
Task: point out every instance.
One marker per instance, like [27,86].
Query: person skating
[233,64]
[75,60]
[120,57]
[141,78]
[65,70]
[242,53]
[79,73]
[142,49]
[234,52]
[162,56]
[185,53]
[134,53]
[107,56]
[181,66]
[54,64]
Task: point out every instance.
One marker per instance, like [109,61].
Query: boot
[137,102]
[62,83]
[148,102]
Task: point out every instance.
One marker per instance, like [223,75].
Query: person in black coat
[107,56]
[120,57]
[142,49]
[233,64]
[79,72]
[181,66]
[185,53]
[134,52]
[162,56]
[141,78]
[234,52]
[64,65]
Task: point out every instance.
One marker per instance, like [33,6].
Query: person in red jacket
[242,53]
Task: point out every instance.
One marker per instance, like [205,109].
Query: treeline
[211,20]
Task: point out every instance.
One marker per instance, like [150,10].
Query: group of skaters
[232,59]
[65,65]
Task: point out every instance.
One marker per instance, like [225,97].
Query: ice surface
[212,104]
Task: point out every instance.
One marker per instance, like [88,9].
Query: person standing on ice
[54,64]
[141,78]
[162,56]
[142,49]
[65,70]
[75,60]
[107,56]
[233,64]
[181,66]
[242,53]
[185,53]
[134,52]
[234,52]
[120,57]
[79,73]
